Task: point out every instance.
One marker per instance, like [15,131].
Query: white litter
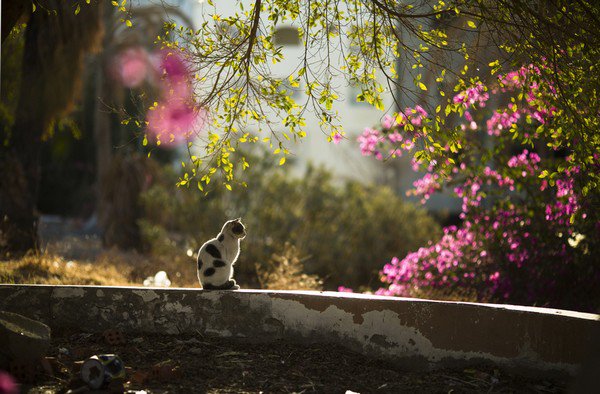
[159,280]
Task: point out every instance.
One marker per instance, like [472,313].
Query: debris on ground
[102,370]
[114,337]
[194,363]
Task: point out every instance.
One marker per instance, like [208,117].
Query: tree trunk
[19,160]
[102,137]
[18,220]
[55,43]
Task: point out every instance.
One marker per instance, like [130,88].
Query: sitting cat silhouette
[217,256]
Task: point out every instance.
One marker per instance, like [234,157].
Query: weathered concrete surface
[419,334]
[22,338]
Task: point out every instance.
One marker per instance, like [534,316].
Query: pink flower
[416,115]
[472,96]
[171,65]
[176,118]
[179,90]
[175,77]
[388,122]
[174,122]
[395,137]
[343,289]
[369,140]
[337,138]
[425,186]
[130,66]
[8,385]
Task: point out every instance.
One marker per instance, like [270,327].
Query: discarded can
[99,370]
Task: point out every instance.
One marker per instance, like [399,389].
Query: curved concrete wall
[419,334]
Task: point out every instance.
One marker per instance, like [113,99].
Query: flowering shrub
[529,234]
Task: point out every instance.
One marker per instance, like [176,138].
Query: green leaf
[422,86]
[128,23]
[77,10]
[471,24]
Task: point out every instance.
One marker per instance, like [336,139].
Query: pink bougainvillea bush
[530,224]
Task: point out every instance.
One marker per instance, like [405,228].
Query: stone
[22,338]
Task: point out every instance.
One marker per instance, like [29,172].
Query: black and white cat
[217,256]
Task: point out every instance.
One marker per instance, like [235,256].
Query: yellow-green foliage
[232,56]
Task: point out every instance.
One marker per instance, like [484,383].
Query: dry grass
[109,268]
[54,270]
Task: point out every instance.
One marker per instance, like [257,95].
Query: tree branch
[253,31]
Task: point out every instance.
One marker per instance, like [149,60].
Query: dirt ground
[195,364]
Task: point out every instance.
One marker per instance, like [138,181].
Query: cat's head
[235,228]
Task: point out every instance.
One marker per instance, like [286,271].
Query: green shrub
[346,230]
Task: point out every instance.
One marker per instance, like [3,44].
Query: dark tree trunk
[55,42]
[18,225]
[19,159]
[102,139]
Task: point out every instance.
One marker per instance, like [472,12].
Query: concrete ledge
[419,334]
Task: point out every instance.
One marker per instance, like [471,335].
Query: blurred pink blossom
[175,122]
[369,140]
[8,385]
[131,66]
[171,65]
[176,118]
[337,138]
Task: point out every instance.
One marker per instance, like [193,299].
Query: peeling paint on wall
[147,295]
[68,292]
[419,334]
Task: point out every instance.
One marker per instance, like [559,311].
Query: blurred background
[104,202]
[108,213]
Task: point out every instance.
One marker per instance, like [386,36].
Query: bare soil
[196,364]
